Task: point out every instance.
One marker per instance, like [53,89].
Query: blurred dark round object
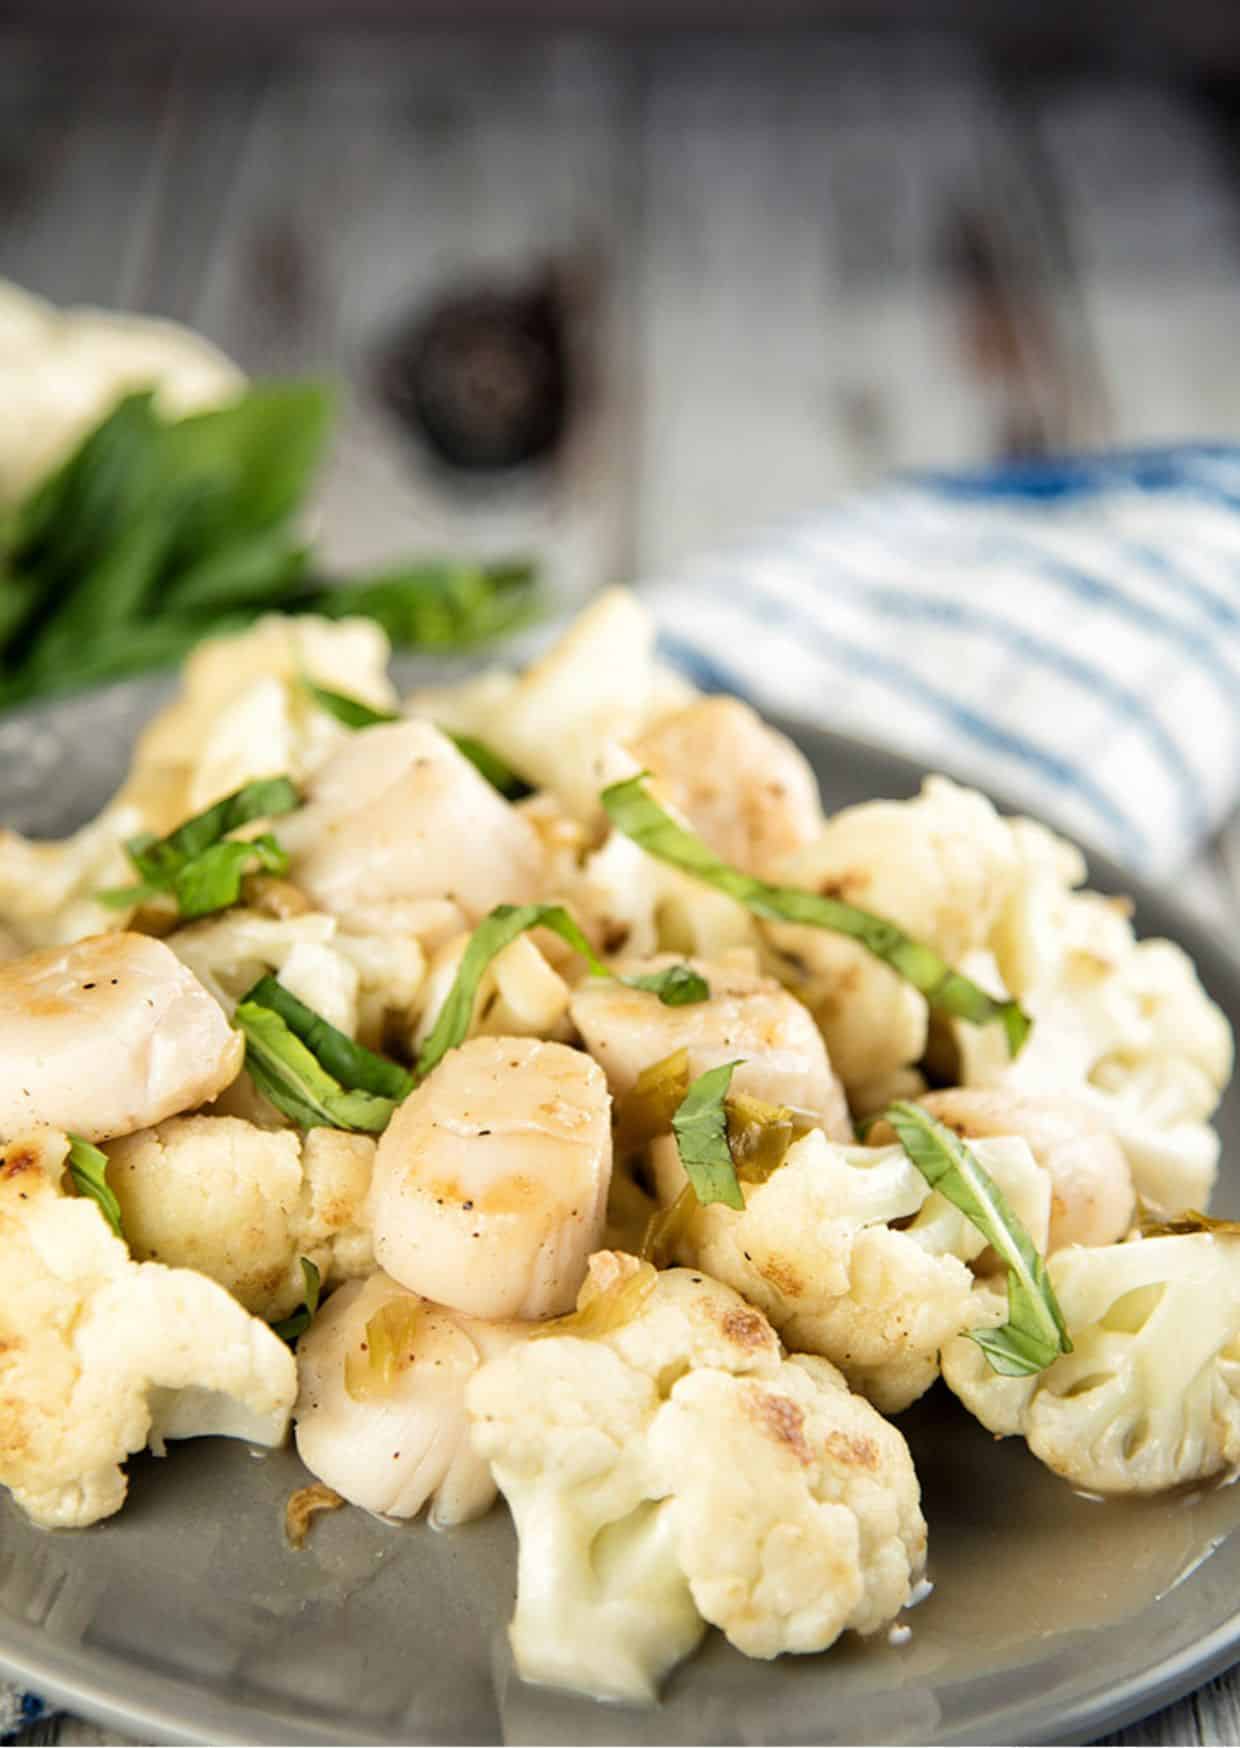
[482,377]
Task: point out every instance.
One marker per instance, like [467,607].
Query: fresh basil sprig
[353,713]
[88,1167]
[313,1073]
[1035,1333]
[156,532]
[297,1322]
[199,864]
[700,1125]
[634,811]
[675,986]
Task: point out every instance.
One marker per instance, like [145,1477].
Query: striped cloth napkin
[1067,633]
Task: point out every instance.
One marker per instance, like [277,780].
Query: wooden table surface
[790,264]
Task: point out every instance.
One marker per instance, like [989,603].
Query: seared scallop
[381,1409]
[782,1056]
[399,814]
[107,1036]
[490,1184]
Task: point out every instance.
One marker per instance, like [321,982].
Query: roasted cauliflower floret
[244,1205]
[391,1443]
[491,1180]
[107,1036]
[1122,1024]
[675,1470]
[852,1257]
[1150,1395]
[747,1018]
[940,866]
[397,813]
[47,889]
[100,1355]
[746,790]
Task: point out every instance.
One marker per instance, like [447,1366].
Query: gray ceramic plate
[187,1619]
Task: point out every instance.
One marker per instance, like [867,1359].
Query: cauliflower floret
[519,995]
[746,790]
[47,889]
[1091,1186]
[817,1251]
[393,1448]
[746,1017]
[629,902]
[244,711]
[100,1355]
[107,1036]
[1121,1024]
[244,1204]
[676,1470]
[940,866]
[397,813]
[1150,1395]
[364,984]
[491,1180]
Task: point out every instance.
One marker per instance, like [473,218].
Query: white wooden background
[802,261]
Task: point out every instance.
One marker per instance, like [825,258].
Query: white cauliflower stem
[677,1470]
[100,1355]
[1150,1395]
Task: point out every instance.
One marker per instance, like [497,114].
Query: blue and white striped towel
[1065,632]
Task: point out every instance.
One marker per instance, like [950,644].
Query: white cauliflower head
[675,1470]
[940,866]
[244,1204]
[1121,1024]
[101,1355]
[1149,1397]
[853,1257]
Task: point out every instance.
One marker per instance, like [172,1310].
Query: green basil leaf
[634,811]
[351,711]
[499,930]
[700,1125]
[349,1063]
[487,762]
[162,860]
[297,1322]
[88,1168]
[212,881]
[288,1073]
[435,604]
[1035,1333]
[677,986]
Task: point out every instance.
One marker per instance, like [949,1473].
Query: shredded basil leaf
[352,712]
[297,1322]
[1035,1334]
[198,863]
[88,1167]
[485,760]
[350,1063]
[700,1125]
[497,931]
[634,811]
[286,1071]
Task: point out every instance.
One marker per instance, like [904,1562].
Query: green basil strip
[350,1063]
[88,1168]
[634,811]
[297,1322]
[288,1073]
[499,930]
[1035,1334]
[700,1126]
[198,862]
[352,712]
[213,880]
[485,760]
